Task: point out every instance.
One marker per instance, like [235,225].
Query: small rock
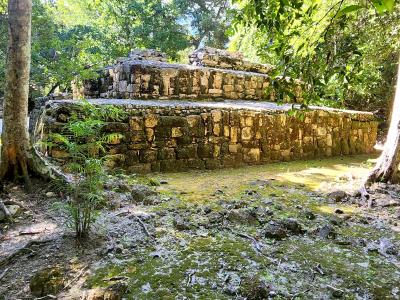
[253,288]
[218,192]
[242,216]
[47,281]
[14,210]
[180,223]
[339,211]
[308,214]
[259,182]
[283,228]
[163,182]
[207,210]
[113,292]
[141,192]
[338,196]
[326,232]
[232,282]
[387,247]
[50,195]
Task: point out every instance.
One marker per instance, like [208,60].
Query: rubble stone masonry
[181,135]
[214,74]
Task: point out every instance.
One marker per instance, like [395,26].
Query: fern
[85,142]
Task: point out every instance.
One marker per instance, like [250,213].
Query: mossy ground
[211,260]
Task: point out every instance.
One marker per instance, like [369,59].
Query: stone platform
[167,135]
[148,79]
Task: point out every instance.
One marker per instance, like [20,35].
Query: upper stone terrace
[213,74]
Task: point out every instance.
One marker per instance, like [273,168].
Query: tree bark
[387,166]
[15,136]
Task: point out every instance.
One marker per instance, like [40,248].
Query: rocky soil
[285,231]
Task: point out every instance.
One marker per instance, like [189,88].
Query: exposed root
[23,249]
[5,210]
[142,224]
[365,196]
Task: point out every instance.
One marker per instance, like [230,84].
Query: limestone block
[226,131]
[216,115]
[136,123]
[122,86]
[217,151]
[233,148]
[148,156]
[176,132]
[228,88]
[251,155]
[193,120]
[234,134]
[151,121]
[150,134]
[189,151]
[247,133]
[136,136]
[329,141]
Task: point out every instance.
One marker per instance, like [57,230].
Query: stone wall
[166,136]
[157,80]
[216,58]
[218,75]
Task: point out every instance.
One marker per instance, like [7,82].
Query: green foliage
[72,39]
[85,141]
[208,21]
[345,51]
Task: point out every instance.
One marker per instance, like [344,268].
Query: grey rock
[283,228]
[47,281]
[337,196]
[326,232]
[181,224]
[242,217]
[141,192]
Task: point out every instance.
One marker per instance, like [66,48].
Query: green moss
[168,275]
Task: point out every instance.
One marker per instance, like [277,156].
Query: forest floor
[284,231]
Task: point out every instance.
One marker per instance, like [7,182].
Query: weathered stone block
[189,151]
[251,155]
[247,134]
[151,121]
[136,123]
[205,150]
[148,156]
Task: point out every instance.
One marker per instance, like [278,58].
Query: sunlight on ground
[316,175]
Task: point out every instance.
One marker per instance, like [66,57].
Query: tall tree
[387,166]
[208,21]
[286,19]
[15,138]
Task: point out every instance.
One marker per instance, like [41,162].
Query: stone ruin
[220,111]
[216,58]
[146,78]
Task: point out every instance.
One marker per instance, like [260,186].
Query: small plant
[85,141]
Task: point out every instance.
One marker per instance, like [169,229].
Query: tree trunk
[15,137]
[387,167]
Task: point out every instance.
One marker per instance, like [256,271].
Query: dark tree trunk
[15,137]
[387,167]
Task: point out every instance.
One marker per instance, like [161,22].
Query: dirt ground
[291,230]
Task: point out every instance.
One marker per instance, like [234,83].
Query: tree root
[5,210]
[365,196]
[256,244]
[25,248]
[142,224]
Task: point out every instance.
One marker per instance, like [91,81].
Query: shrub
[84,140]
